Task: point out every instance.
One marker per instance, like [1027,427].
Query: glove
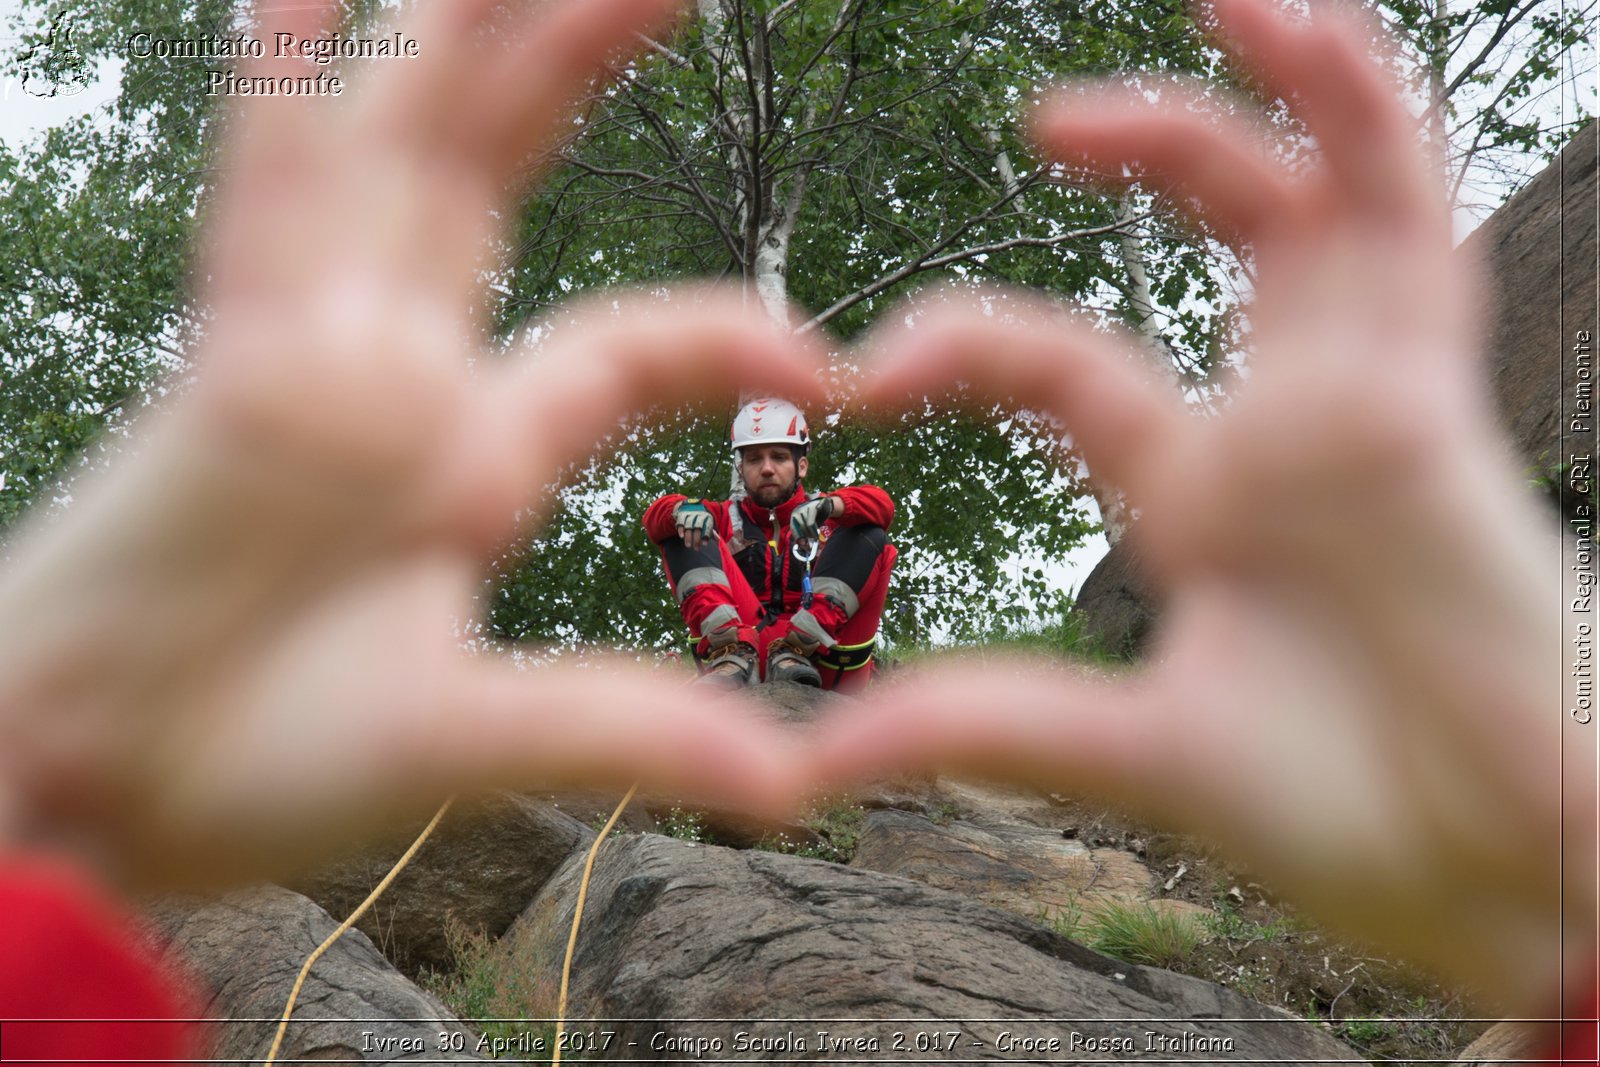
[805,522]
[695,524]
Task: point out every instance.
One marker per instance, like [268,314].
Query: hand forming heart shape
[282,558]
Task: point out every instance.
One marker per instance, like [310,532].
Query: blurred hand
[247,634]
[1353,689]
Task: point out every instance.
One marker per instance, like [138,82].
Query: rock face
[484,862]
[676,931]
[788,703]
[246,949]
[775,947]
[1504,1044]
[1029,871]
[1539,252]
[1116,605]
[792,702]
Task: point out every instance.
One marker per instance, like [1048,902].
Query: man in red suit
[778,583]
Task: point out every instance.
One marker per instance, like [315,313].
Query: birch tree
[1500,85]
[833,156]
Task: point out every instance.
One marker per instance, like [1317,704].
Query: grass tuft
[491,984]
[1364,1031]
[1135,933]
[1141,933]
[1230,926]
[684,825]
[837,828]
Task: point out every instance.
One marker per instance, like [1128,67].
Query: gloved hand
[695,524]
[805,522]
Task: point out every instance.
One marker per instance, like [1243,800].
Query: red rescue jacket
[760,542]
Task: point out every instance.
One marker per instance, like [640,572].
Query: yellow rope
[577,917]
[355,916]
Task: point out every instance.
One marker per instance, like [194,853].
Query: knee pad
[806,625]
[721,627]
[690,568]
[846,563]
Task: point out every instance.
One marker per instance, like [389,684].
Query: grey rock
[1539,252]
[1509,1043]
[1117,605]
[593,807]
[1023,869]
[245,950]
[479,869]
[778,947]
[489,856]
[795,703]
[789,704]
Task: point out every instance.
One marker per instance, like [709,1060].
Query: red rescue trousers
[861,553]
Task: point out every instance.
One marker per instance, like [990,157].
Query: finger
[1323,69]
[1035,356]
[606,361]
[503,93]
[431,91]
[613,724]
[268,138]
[297,21]
[446,34]
[559,53]
[1018,720]
[1188,147]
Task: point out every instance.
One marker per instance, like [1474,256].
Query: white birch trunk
[1113,507]
[772,254]
[1002,163]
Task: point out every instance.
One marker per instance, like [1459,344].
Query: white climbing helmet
[769,421]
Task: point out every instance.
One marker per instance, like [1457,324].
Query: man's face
[769,473]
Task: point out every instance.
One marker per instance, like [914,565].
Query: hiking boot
[729,667]
[787,663]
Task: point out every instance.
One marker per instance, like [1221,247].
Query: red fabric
[858,629]
[1577,1043]
[77,984]
[863,626]
[864,505]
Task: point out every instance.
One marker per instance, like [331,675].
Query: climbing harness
[840,657]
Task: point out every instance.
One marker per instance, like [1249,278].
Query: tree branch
[930,262]
[1507,21]
[679,61]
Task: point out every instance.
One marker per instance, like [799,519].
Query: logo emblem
[54,67]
